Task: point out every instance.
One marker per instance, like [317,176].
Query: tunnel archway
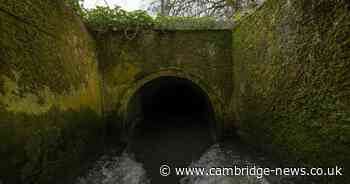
[168,97]
[172,121]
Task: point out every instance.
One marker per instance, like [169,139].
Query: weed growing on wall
[102,18]
[116,19]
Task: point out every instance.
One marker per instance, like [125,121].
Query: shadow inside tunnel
[175,129]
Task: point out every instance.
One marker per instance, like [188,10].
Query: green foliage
[241,14]
[105,17]
[76,5]
[238,16]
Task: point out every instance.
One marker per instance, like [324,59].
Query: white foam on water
[217,157]
[116,170]
[125,170]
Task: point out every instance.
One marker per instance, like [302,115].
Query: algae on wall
[201,55]
[292,71]
[50,114]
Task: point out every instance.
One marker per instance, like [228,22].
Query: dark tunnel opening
[168,98]
[173,98]
[174,123]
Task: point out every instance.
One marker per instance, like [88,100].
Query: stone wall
[282,75]
[50,114]
[129,59]
[291,75]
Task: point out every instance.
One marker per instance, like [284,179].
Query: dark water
[177,142]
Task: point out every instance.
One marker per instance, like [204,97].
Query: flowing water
[181,143]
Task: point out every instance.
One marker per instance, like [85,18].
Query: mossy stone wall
[128,59]
[50,112]
[291,69]
[282,75]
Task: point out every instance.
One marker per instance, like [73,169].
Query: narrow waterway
[178,130]
[178,142]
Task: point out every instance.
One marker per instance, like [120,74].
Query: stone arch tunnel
[172,113]
[171,96]
[201,59]
[61,84]
[280,75]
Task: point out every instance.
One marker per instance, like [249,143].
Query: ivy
[117,18]
[106,18]
[76,5]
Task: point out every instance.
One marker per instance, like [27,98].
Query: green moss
[50,112]
[48,48]
[42,148]
[292,64]
[201,54]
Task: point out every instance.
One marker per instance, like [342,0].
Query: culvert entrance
[173,124]
[168,98]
